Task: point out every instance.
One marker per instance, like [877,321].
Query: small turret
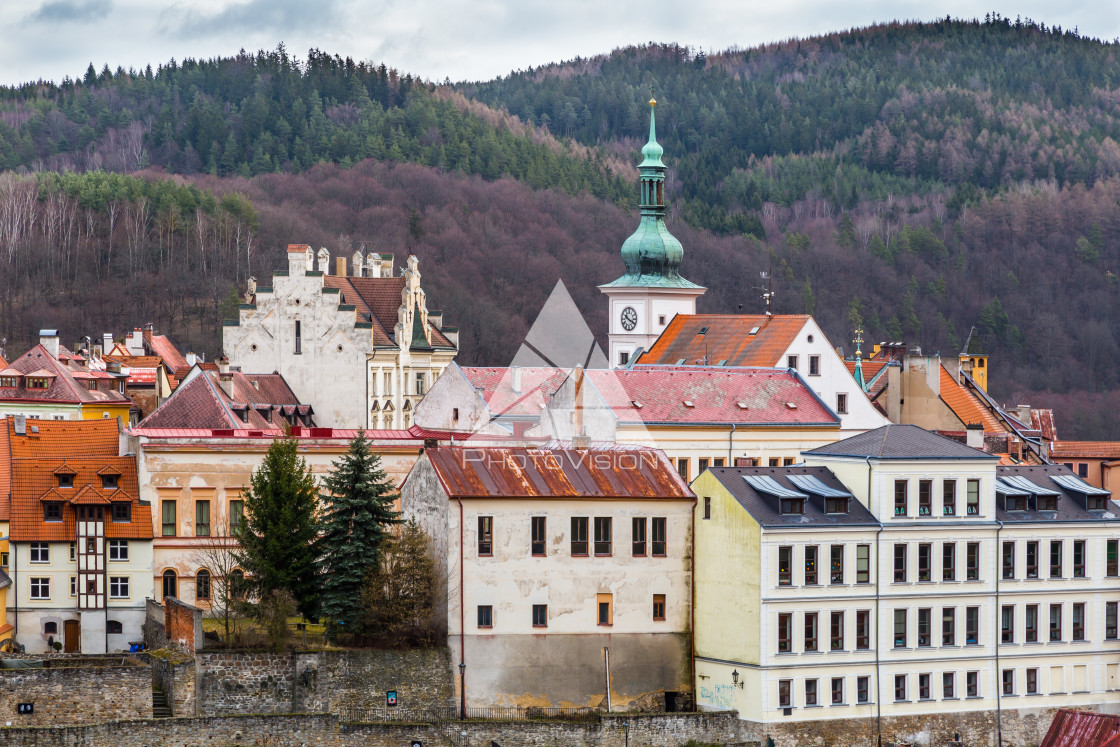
[974,361]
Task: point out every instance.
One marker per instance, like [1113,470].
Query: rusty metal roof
[602,471]
[1082,729]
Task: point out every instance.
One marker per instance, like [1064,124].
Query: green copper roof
[419,339]
[652,256]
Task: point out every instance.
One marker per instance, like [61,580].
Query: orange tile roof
[728,338]
[5,471]
[1085,450]
[966,406]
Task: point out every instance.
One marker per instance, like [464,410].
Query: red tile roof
[966,406]
[728,338]
[599,472]
[5,471]
[201,403]
[63,388]
[495,385]
[1072,728]
[1043,422]
[380,299]
[697,395]
[86,447]
[1085,450]
[165,349]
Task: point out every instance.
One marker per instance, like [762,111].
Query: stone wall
[155,635]
[321,681]
[183,624]
[1021,728]
[76,695]
[673,730]
[174,674]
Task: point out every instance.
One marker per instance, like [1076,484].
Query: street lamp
[462,690]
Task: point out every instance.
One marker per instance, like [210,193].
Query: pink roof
[698,395]
[415,433]
[164,348]
[201,403]
[496,385]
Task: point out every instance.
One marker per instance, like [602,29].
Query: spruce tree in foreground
[277,534]
[358,509]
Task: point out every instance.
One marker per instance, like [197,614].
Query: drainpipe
[462,621]
[730,436]
[692,605]
[878,674]
[999,616]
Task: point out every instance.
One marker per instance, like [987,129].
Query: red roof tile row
[737,339]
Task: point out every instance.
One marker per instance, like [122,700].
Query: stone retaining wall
[75,695]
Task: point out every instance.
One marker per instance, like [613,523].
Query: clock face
[629,318]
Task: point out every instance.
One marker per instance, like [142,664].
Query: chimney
[225,378]
[299,259]
[48,338]
[340,267]
[250,288]
[356,264]
[148,336]
[135,342]
[21,425]
[1023,413]
[581,443]
[107,343]
[515,379]
[577,403]
[974,435]
[191,359]
[324,260]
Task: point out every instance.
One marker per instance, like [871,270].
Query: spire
[419,339]
[652,151]
[859,355]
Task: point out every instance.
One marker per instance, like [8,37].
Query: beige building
[564,568]
[362,349]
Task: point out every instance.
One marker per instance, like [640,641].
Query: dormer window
[1015,502]
[1047,502]
[792,506]
[65,480]
[836,505]
[92,385]
[52,511]
[1096,502]
[109,482]
[9,382]
[38,382]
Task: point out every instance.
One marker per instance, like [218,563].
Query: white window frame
[41,552]
[40,588]
[116,546]
[117,585]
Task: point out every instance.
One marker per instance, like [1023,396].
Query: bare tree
[219,558]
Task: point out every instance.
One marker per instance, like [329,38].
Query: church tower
[651,292]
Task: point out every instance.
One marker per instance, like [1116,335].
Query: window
[972,684]
[775,461]
[122,512]
[1015,502]
[623,357]
[863,685]
[1078,621]
[794,506]
[900,497]
[900,563]
[863,564]
[810,631]
[785,561]
[836,638]
[1082,469]
[900,628]
[925,560]
[3,560]
[579,535]
[659,608]
[1007,624]
[925,497]
[810,692]
[236,515]
[168,509]
[118,549]
[785,632]
[972,625]
[109,482]
[202,518]
[1112,553]
[637,537]
[485,616]
[835,505]
[1046,502]
[899,687]
[602,535]
[949,498]
[604,609]
[682,468]
[485,536]
[701,465]
[388,383]
[707,507]
[52,511]
[836,571]
[540,615]
[1055,559]
[1008,681]
[948,626]
[40,588]
[717,462]
[923,687]
[949,561]
[837,691]
[791,361]
[1032,682]
[73,586]
[1110,621]
[537,532]
[170,584]
[118,587]
[114,627]
[1030,618]
[73,551]
[299,341]
[972,562]
[421,381]
[658,530]
[841,403]
[40,552]
[202,584]
[784,690]
[948,685]
[811,565]
[925,625]
[863,630]
[1055,622]
[814,365]
[972,505]
[1032,559]
[1079,558]
[1008,560]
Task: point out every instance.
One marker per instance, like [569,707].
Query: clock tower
[651,292]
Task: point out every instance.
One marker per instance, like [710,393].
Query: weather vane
[858,340]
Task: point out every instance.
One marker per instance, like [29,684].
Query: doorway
[72,636]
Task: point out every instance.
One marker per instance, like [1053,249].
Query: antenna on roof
[768,296]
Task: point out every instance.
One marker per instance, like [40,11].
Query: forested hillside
[913,178]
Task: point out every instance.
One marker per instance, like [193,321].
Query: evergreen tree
[359,498]
[278,532]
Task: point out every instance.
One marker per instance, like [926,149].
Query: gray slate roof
[764,508]
[901,442]
[1071,504]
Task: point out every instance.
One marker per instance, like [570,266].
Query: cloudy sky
[456,39]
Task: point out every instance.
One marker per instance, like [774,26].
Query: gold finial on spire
[858,339]
[652,100]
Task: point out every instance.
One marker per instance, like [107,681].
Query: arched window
[170,584]
[114,627]
[202,584]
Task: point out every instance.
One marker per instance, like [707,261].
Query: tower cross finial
[652,98]
[858,340]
